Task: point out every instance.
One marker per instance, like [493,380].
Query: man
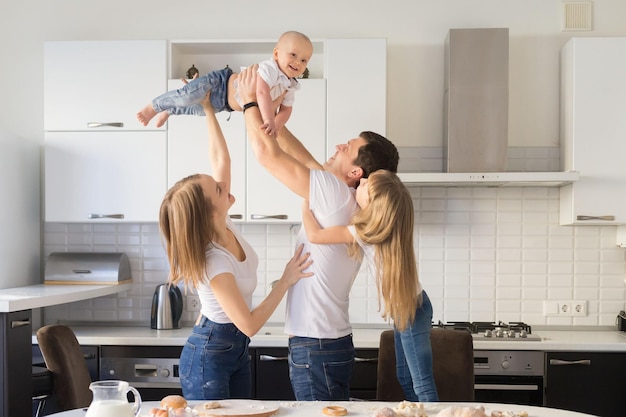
[321,352]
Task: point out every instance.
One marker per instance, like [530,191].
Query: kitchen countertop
[42,295]
[273,336]
[356,408]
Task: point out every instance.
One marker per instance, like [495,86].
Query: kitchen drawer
[271,373]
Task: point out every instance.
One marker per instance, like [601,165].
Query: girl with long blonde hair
[382,230]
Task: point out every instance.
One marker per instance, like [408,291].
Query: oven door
[509,389]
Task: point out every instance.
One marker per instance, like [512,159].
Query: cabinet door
[269,200]
[104,173]
[188,151]
[593,130]
[101,82]
[586,382]
[356,71]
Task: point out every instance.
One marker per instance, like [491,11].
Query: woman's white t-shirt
[219,261]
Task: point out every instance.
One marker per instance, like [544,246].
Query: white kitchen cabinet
[188,150]
[268,200]
[356,72]
[102,174]
[593,127]
[100,162]
[101,85]
[259,196]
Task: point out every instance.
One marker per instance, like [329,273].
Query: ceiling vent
[577,15]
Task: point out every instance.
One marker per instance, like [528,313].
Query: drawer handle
[111,124]
[605,218]
[357,359]
[19,323]
[560,362]
[236,216]
[268,216]
[105,216]
[272,358]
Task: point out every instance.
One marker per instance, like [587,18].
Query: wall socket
[567,308]
[192,303]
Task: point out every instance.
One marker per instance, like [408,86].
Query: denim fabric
[414,356]
[214,363]
[320,369]
[186,99]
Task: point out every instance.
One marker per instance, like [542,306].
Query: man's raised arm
[271,156]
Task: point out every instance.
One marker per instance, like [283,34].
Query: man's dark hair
[378,153]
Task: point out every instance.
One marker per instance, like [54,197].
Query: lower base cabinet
[587,382]
[271,373]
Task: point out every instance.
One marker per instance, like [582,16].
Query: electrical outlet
[192,303]
[579,308]
[565,308]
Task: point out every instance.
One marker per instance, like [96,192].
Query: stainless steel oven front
[153,370]
[515,377]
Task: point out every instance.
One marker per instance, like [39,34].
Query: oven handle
[557,362]
[507,387]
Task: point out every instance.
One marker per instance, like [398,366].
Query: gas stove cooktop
[514,331]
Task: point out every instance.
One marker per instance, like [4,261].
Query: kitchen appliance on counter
[167,307]
[620,321]
[505,376]
[87,268]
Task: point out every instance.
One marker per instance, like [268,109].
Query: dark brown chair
[453,366]
[64,358]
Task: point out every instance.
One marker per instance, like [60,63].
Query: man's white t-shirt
[219,261]
[318,306]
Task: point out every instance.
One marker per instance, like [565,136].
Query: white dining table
[362,408]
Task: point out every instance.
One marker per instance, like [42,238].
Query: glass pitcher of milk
[109,399]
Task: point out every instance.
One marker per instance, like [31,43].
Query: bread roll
[173,401]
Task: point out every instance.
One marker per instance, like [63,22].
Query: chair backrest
[453,366]
[64,358]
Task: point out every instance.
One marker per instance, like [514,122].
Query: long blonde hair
[387,223]
[187,228]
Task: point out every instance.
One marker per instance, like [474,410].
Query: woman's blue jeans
[214,363]
[414,356]
[320,369]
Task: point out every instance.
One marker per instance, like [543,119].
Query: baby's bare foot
[146,114]
[162,118]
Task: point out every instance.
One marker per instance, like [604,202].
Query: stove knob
[511,333]
[523,333]
[505,364]
[165,373]
[488,333]
[499,333]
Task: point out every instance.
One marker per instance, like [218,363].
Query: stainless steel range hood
[488,179]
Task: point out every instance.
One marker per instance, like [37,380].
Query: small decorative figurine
[192,73]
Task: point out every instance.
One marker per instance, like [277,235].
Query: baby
[277,83]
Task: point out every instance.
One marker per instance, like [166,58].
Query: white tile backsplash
[484,254]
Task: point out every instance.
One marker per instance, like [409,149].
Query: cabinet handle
[605,218]
[272,358]
[106,216]
[559,362]
[110,124]
[506,387]
[268,216]
[19,323]
[357,359]
[235,216]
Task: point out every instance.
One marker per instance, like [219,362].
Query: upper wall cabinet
[101,164]
[101,85]
[593,128]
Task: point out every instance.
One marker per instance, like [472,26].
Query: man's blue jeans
[215,363]
[320,369]
[414,356]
